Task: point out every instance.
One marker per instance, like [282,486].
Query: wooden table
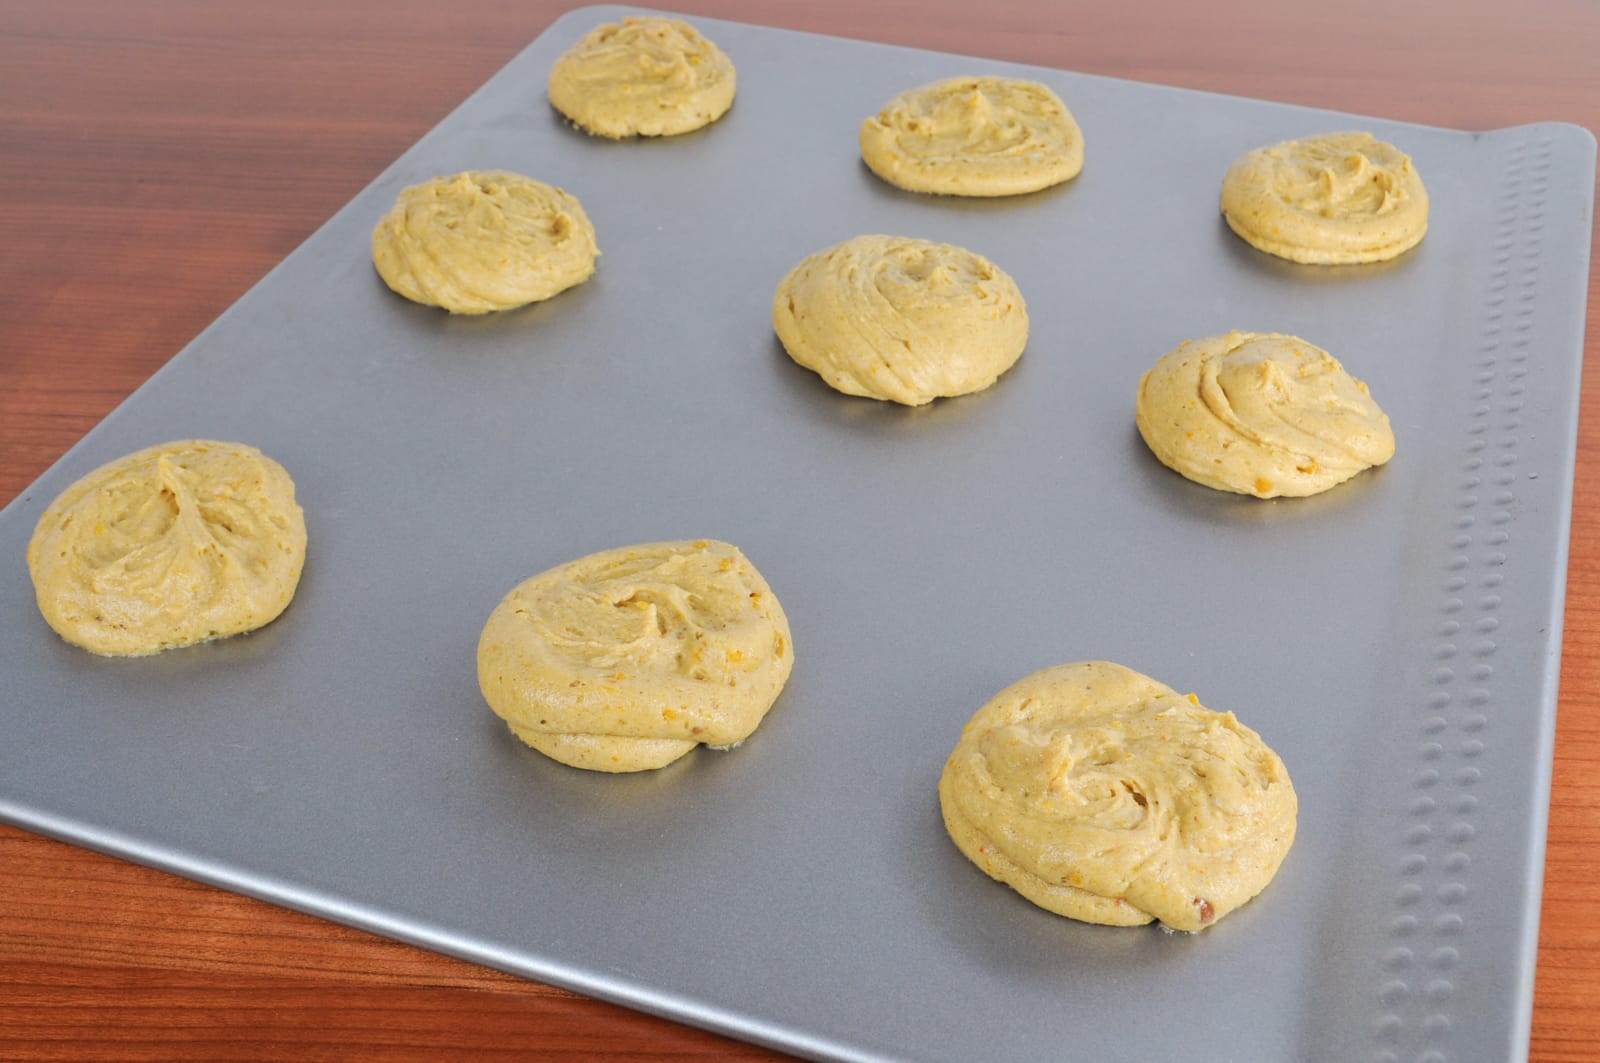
[156,158]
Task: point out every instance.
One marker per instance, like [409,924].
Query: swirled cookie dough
[652,77]
[627,659]
[175,544]
[1260,413]
[483,240]
[1328,200]
[1102,795]
[889,317]
[974,136]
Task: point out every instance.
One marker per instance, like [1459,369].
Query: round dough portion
[1260,413]
[909,321]
[627,659]
[974,136]
[483,240]
[652,77]
[1103,795]
[1335,199]
[176,544]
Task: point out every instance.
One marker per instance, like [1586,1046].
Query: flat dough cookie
[1260,413]
[483,240]
[974,136]
[1102,795]
[176,544]
[888,317]
[627,659]
[1331,200]
[651,77]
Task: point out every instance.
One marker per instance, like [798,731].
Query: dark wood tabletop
[158,156]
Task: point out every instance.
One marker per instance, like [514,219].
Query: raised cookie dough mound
[483,240]
[906,320]
[1260,413]
[652,77]
[175,544]
[1102,795]
[627,659]
[974,136]
[1330,200]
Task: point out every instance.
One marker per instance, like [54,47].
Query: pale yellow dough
[905,320]
[652,77]
[627,659]
[483,240]
[175,544]
[1334,199]
[974,136]
[1260,413]
[1102,795]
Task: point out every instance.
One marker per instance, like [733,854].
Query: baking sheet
[1396,639]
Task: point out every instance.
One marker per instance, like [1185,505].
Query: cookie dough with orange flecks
[900,319]
[1260,413]
[483,240]
[647,76]
[625,660]
[1336,199]
[175,544]
[974,136]
[1103,795]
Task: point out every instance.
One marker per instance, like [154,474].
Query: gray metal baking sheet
[1396,639]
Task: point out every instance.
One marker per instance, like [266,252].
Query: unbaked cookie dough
[1260,413]
[176,544]
[652,77]
[889,317]
[1330,200]
[974,136]
[483,240]
[627,659]
[1102,795]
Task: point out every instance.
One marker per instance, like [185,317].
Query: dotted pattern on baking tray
[1434,898]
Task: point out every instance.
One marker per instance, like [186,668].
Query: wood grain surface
[158,157]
